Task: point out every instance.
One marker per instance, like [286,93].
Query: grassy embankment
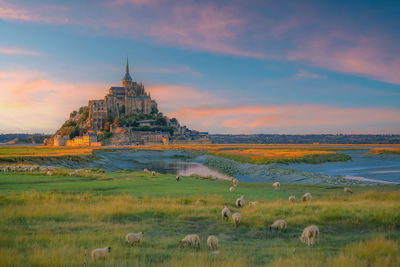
[38,154]
[385,151]
[50,220]
[258,154]
[265,154]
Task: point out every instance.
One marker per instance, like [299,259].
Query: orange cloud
[37,103]
[292,119]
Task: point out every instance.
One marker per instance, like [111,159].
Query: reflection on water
[190,168]
[169,161]
[362,166]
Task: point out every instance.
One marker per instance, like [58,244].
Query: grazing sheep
[236,217]
[49,173]
[225,213]
[292,199]
[348,190]
[190,240]
[231,189]
[178,178]
[278,224]
[153,173]
[306,197]
[235,182]
[212,242]
[252,203]
[146,171]
[240,202]
[276,185]
[133,238]
[309,234]
[100,253]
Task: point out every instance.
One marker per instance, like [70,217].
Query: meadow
[51,220]
[20,154]
[266,156]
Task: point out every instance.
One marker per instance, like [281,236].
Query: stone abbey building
[130,98]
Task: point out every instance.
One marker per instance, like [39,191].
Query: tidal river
[362,167]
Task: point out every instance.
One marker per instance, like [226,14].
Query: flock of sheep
[309,235]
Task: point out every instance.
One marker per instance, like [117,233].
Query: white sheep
[49,173]
[276,185]
[225,213]
[178,178]
[253,203]
[212,242]
[309,234]
[306,197]
[279,224]
[133,238]
[235,182]
[190,240]
[231,189]
[292,199]
[153,173]
[240,202]
[236,217]
[100,253]
[348,190]
[146,171]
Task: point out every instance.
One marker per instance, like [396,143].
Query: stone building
[130,98]
[85,140]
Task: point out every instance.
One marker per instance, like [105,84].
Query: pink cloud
[46,14]
[18,51]
[349,53]
[291,119]
[36,103]
[173,97]
[203,27]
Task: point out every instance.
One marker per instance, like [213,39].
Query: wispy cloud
[303,74]
[40,13]
[349,53]
[36,102]
[173,70]
[173,97]
[18,51]
[292,119]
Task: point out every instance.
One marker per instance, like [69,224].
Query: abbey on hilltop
[130,98]
[126,116]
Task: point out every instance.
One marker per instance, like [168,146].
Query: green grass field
[51,220]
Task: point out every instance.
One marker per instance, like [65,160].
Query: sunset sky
[291,67]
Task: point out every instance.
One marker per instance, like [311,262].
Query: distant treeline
[305,139]
[23,138]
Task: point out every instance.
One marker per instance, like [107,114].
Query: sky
[241,67]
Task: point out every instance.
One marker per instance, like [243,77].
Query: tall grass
[54,229]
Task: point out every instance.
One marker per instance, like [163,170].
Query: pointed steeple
[127,80]
[127,66]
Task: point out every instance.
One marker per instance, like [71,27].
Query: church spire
[127,66]
[127,80]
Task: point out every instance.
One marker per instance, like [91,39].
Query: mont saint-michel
[127,115]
